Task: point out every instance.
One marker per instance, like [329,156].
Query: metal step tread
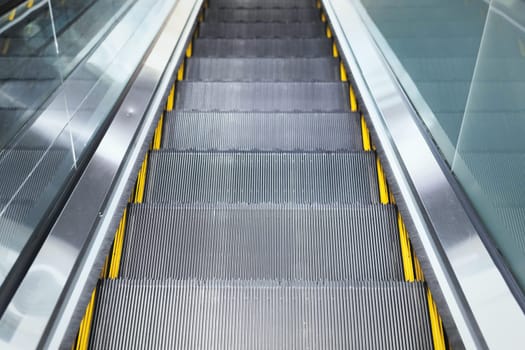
[312,47]
[263,15]
[242,177]
[262,3]
[263,96]
[267,315]
[258,30]
[263,69]
[247,131]
[262,242]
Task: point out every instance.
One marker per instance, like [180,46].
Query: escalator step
[263,315]
[227,131]
[263,97]
[261,30]
[263,15]
[263,69]
[262,242]
[262,3]
[202,177]
[319,47]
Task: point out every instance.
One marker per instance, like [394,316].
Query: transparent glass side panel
[432,47]
[490,158]
[63,67]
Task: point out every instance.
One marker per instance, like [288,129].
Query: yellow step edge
[323,17]
[5,46]
[189,49]
[328,32]
[180,73]
[85,325]
[171,99]
[365,134]
[406,251]
[353,100]
[12,15]
[436,325]
[342,69]
[383,187]
[157,137]
[335,52]
[318,4]
[118,243]
[417,268]
[105,268]
[30,3]
[141,181]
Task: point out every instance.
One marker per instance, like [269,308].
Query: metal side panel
[263,69]
[262,3]
[262,242]
[228,30]
[262,15]
[187,177]
[265,315]
[262,97]
[227,131]
[317,47]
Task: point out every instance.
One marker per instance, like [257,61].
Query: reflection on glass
[490,158]
[53,104]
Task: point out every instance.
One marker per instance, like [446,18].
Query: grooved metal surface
[262,3]
[225,131]
[262,242]
[236,315]
[229,30]
[262,15]
[263,69]
[316,47]
[216,177]
[263,97]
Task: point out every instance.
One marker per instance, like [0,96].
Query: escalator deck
[261,225]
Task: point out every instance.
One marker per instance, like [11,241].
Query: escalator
[263,219]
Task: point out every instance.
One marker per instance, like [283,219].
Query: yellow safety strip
[118,243]
[365,134]
[105,268]
[12,15]
[392,198]
[206,4]
[318,4]
[438,334]
[180,73]
[328,32]
[417,269]
[189,49]
[30,3]
[157,137]
[344,77]
[335,53]
[171,99]
[323,17]
[406,250]
[85,325]
[141,181]
[381,179]
[5,47]
[353,100]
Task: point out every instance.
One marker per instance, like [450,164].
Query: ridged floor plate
[262,3]
[316,47]
[226,131]
[188,177]
[262,242]
[263,15]
[226,315]
[263,97]
[263,69]
[232,30]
